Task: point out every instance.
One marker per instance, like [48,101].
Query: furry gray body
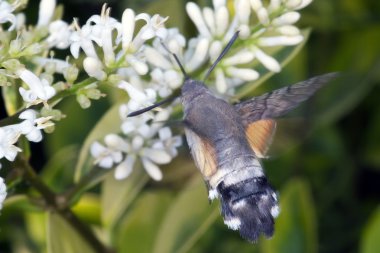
[248,203]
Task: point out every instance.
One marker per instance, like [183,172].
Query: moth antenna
[177,60]
[167,100]
[225,50]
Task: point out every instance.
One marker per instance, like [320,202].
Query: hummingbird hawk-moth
[227,141]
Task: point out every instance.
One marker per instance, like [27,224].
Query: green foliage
[296,225]
[370,240]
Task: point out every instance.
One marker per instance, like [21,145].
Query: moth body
[218,141]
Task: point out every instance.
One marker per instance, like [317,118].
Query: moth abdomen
[249,206]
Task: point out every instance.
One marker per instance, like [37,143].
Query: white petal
[162,115]
[158,156]
[27,95]
[221,20]
[165,133]
[96,149]
[199,55]
[28,115]
[292,4]
[74,49]
[137,142]
[256,4]
[243,73]
[133,92]
[116,142]
[215,49]
[32,81]
[125,168]
[220,82]
[128,23]
[152,169]
[35,135]
[46,12]
[218,3]
[128,127]
[106,162]
[280,41]
[144,130]
[263,16]
[244,9]
[241,57]
[274,5]
[288,30]
[208,15]
[156,58]
[195,15]
[303,4]
[268,61]
[94,68]
[3,191]
[287,19]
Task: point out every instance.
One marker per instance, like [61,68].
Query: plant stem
[54,203]
[90,179]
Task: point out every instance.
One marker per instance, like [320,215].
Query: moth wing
[260,135]
[203,153]
[278,102]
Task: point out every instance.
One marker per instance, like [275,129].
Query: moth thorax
[249,206]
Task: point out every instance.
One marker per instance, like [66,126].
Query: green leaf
[11,98]
[343,96]
[88,208]
[370,242]
[33,221]
[62,238]
[142,222]
[187,219]
[283,55]
[58,171]
[109,123]
[117,195]
[295,229]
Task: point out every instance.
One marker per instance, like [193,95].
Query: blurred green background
[327,168]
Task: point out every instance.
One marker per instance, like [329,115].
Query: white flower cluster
[30,127]
[262,26]
[139,63]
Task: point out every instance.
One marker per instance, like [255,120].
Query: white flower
[3,192]
[94,68]
[31,126]
[139,99]
[168,142]
[210,23]
[39,89]
[105,157]
[60,66]
[60,33]
[6,14]
[46,12]
[155,27]
[102,32]
[165,81]
[82,38]
[268,61]
[8,137]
